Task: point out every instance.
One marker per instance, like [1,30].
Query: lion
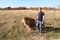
[29,23]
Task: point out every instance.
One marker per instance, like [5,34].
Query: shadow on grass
[51,29]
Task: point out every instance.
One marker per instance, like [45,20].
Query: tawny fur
[27,27]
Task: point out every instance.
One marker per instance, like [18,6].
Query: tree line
[25,8]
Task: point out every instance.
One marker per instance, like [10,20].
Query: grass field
[11,27]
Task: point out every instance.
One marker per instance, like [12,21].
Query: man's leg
[37,24]
[40,27]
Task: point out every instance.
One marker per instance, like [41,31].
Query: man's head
[40,9]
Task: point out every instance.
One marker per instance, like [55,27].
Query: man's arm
[43,18]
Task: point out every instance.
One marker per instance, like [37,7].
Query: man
[40,20]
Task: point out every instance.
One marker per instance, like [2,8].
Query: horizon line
[28,7]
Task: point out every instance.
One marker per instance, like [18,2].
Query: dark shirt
[40,16]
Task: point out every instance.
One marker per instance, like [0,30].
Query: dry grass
[12,29]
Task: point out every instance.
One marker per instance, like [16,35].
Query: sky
[29,3]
